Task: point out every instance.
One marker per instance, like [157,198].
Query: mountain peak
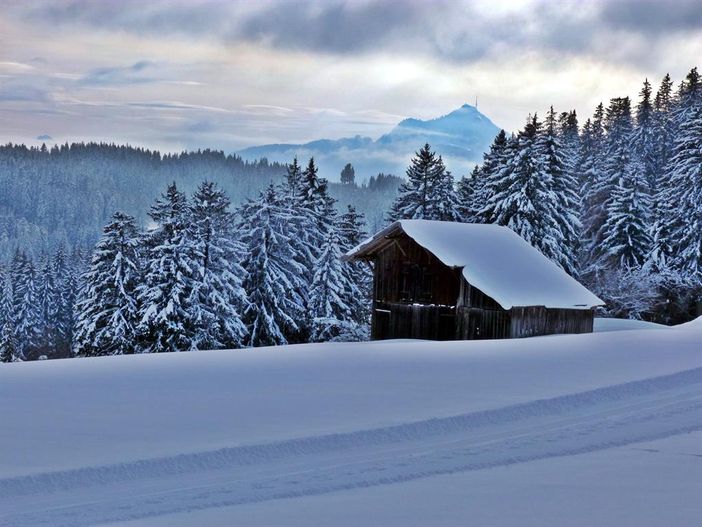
[460,136]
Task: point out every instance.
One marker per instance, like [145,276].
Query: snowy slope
[90,441]
[623,324]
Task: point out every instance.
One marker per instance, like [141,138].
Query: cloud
[132,74]
[459,31]
[23,93]
[15,66]
[44,137]
[334,26]
[653,17]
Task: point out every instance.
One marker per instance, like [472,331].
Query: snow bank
[621,324]
[100,440]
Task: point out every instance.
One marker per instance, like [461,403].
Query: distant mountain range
[460,137]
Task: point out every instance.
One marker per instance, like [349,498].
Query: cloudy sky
[190,74]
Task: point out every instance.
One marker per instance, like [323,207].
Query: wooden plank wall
[537,320]
[474,323]
[413,321]
[390,263]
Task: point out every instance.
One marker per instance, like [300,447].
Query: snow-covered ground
[598,429]
[622,324]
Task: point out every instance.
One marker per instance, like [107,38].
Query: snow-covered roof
[494,259]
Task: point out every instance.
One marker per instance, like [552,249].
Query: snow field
[151,436]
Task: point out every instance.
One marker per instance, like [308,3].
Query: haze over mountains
[460,137]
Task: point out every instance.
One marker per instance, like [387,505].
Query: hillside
[64,195]
[400,432]
[460,137]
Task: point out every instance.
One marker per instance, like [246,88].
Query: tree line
[616,202]
[62,195]
[202,277]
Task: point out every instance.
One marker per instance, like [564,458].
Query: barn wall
[405,272]
[538,320]
[413,321]
[475,323]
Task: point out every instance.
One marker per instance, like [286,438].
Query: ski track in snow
[567,425]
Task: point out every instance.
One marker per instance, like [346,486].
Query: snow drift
[92,441]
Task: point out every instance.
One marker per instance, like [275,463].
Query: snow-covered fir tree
[218,297]
[314,192]
[25,307]
[498,162]
[332,294]
[352,231]
[685,196]
[467,193]
[108,314]
[293,179]
[593,188]
[616,164]
[428,192]
[165,295]
[626,241]
[664,125]
[524,198]
[644,138]
[9,351]
[48,297]
[66,287]
[560,171]
[274,274]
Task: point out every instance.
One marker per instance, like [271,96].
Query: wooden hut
[444,280]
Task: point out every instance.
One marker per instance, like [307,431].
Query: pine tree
[626,243]
[664,126]
[593,185]
[293,179]
[559,170]
[218,297]
[617,161]
[351,228]
[569,134]
[348,175]
[66,288]
[313,204]
[524,199]
[467,194]
[444,203]
[274,274]
[644,138]
[168,319]
[331,289]
[428,192]
[685,198]
[25,307]
[108,314]
[314,190]
[48,307]
[9,351]
[496,164]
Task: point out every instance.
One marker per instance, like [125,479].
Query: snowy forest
[615,201]
[62,195]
